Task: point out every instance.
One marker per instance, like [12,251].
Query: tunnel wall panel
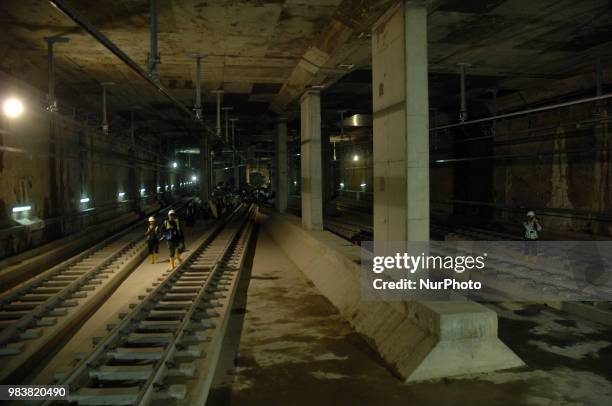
[50,162]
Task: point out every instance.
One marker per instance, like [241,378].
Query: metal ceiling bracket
[218,126]
[51,101]
[227,110]
[105,126]
[153,58]
[463,111]
[198,84]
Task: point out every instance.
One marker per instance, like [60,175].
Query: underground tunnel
[299,202]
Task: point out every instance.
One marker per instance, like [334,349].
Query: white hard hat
[151,219]
[530,213]
[171,212]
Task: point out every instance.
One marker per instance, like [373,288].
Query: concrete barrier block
[418,340]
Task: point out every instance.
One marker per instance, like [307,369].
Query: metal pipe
[342,112]
[523,112]
[494,126]
[521,156]
[104,125]
[51,102]
[132,134]
[218,127]
[198,85]
[599,78]
[227,110]
[532,136]
[75,16]
[153,55]
[233,121]
[104,119]
[463,111]
[542,211]
[52,106]
[234,163]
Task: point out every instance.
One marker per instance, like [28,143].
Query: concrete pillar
[281,165]
[401,127]
[312,188]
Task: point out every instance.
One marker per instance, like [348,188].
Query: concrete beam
[314,59]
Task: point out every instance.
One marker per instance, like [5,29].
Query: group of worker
[172,232]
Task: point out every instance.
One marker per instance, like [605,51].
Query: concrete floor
[287,345]
[133,286]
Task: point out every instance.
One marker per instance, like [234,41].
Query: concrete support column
[281,183]
[312,188]
[401,124]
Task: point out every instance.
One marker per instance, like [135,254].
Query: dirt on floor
[287,345]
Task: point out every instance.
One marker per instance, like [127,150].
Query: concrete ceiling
[263,53]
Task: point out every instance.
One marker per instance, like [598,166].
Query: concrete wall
[49,162]
[561,166]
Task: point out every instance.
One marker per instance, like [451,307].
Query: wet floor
[287,345]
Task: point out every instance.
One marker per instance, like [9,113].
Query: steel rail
[44,297]
[157,380]
[150,387]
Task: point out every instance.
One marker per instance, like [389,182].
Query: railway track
[42,310]
[166,348]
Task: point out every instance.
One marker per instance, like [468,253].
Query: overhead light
[363,185]
[121,195]
[298,154]
[175,164]
[355,157]
[19,209]
[84,200]
[346,66]
[341,185]
[194,178]
[13,107]
[158,188]
[295,182]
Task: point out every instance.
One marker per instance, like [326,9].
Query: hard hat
[530,213]
[171,212]
[151,219]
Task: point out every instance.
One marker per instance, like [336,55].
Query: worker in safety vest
[173,234]
[152,237]
[532,229]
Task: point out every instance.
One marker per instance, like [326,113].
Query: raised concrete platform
[419,340]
